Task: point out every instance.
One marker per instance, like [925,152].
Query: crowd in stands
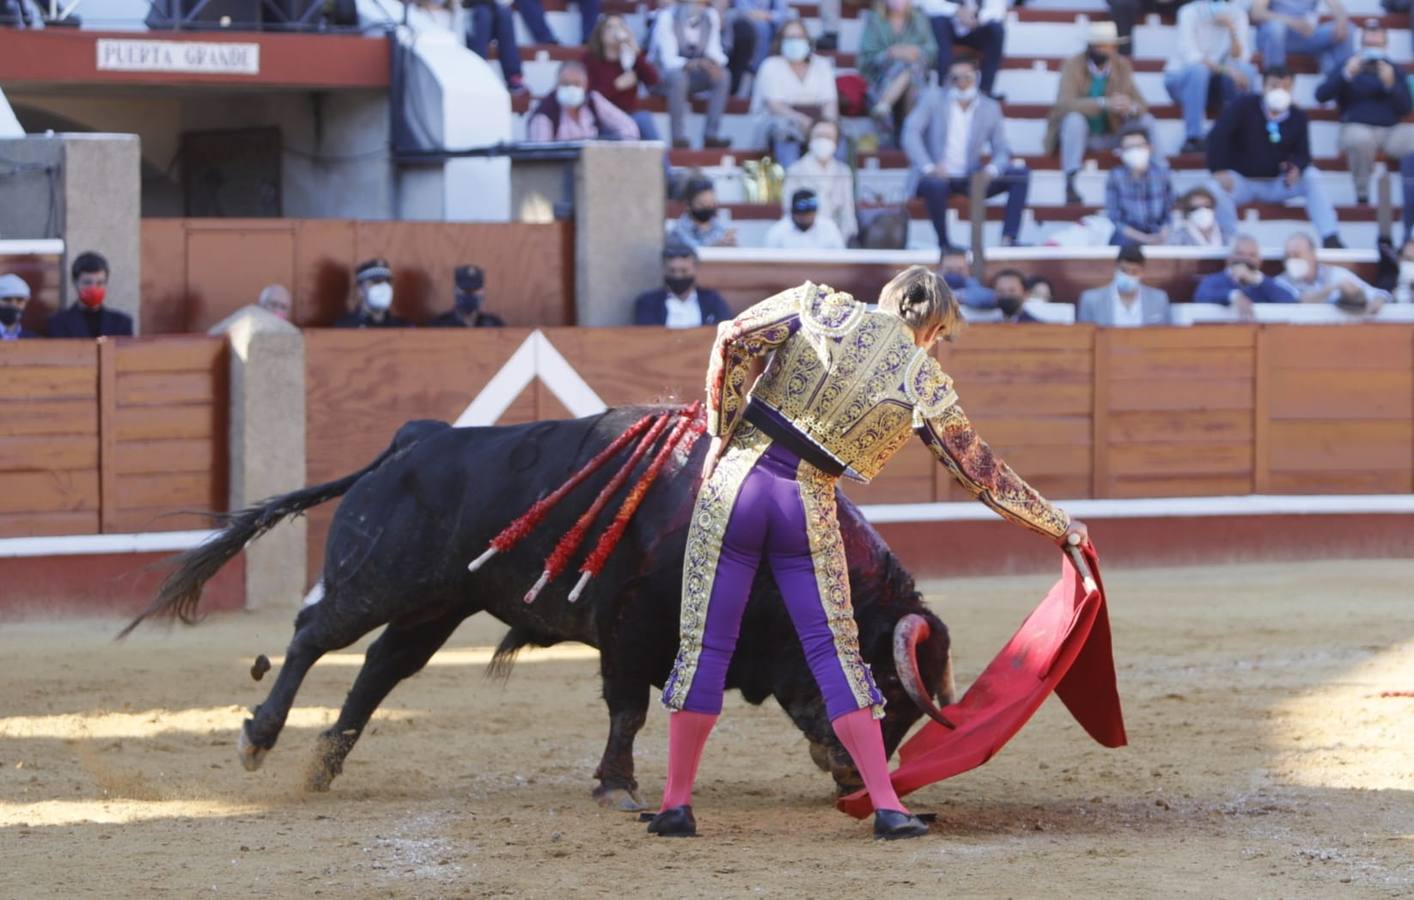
[925,77]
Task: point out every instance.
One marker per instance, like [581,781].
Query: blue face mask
[955,280]
[468,302]
[1126,283]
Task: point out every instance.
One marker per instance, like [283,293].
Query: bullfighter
[805,387]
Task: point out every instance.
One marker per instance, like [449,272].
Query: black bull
[410,521]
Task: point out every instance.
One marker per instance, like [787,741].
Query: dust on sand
[1272,754]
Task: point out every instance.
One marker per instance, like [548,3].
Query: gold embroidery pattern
[755,332]
[928,386]
[956,443]
[830,312]
[710,515]
[817,495]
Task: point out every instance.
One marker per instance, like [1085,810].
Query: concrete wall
[619,201]
[87,193]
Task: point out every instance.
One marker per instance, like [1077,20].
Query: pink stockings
[857,730]
[860,733]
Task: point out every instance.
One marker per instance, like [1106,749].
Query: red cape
[1063,646]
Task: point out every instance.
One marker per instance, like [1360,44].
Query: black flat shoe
[678,822]
[892,825]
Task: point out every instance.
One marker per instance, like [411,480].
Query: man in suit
[680,303]
[14,294]
[468,306]
[1125,302]
[89,318]
[373,282]
[945,136]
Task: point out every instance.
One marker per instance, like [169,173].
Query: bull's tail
[181,590]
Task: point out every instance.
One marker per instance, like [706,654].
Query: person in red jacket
[617,66]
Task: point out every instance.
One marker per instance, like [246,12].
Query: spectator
[1009,286]
[804,228]
[954,268]
[1139,193]
[1126,15]
[1372,94]
[896,50]
[14,295]
[1317,282]
[275,299]
[763,18]
[831,180]
[1038,287]
[1401,283]
[1292,26]
[616,67]
[533,14]
[1259,150]
[20,14]
[700,225]
[574,113]
[1097,100]
[680,303]
[1242,283]
[1199,227]
[1125,302]
[374,281]
[1213,58]
[792,89]
[88,317]
[490,20]
[945,137]
[687,45]
[468,303]
[972,23]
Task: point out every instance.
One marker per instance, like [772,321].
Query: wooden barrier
[195,272]
[112,436]
[49,438]
[163,411]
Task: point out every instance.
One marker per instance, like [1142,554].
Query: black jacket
[78,322]
[450,319]
[651,308]
[1239,140]
[361,319]
[1364,99]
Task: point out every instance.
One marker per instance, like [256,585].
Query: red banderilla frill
[515,532]
[687,432]
[559,558]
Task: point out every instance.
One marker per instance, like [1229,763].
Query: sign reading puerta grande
[193,57]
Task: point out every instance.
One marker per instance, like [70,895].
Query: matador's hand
[1076,535]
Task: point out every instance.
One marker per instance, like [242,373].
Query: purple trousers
[780,509]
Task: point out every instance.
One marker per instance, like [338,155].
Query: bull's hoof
[326,765]
[618,798]
[250,753]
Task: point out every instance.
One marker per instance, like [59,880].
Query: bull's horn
[909,631]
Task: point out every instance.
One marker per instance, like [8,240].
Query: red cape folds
[1064,646]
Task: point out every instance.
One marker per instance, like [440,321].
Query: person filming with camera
[1372,95]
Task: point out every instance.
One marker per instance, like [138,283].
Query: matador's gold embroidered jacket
[853,382]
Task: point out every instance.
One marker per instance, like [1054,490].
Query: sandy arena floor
[1270,713]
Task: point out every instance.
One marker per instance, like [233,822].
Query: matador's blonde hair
[922,300]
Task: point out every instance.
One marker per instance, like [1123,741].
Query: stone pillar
[85,189]
[620,206]
[267,446]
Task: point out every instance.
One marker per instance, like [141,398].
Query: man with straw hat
[1098,99]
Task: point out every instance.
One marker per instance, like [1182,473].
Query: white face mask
[966,95]
[627,57]
[1136,158]
[570,95]
[822,148]
[1297,269]
[379,296]
[1202,218]
[795,49]
[1406,270]
[1278,100]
